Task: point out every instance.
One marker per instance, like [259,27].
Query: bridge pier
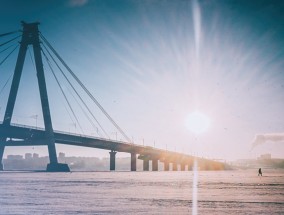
[166,166]
[1,158]
[190,166]
[112,160]
[175,166]
[57,167]
[154,164]
[133,161]
[54,166]
[146,165]
[182,167]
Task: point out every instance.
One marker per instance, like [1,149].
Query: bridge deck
[20,135]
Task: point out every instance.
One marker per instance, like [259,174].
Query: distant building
[264,157]
[35,155]
[28,156]
[61,155]
[15,157]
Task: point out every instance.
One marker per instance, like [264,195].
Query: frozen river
[224,192]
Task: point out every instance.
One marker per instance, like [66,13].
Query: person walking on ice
[259,172]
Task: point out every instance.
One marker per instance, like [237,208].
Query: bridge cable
[5,84]
[5,34]
[70,107]
[2,44]
[35,71]
[86,106]
[85,89]
[8,55]
[7,48]
[85,113]
[62,91]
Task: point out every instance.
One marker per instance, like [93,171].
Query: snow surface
[224,192]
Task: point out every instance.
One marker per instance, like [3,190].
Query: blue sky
[139,59]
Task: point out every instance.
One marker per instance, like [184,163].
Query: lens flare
[197,122]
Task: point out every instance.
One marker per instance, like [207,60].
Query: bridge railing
[70,133]
[89,136]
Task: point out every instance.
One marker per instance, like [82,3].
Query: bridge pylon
[30,36]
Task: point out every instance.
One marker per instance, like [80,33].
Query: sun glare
[197,122]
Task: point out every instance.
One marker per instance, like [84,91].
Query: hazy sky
[152,63]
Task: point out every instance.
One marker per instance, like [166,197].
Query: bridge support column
[1,157]
[112,160]
[190,166]
[146,165]
[182,167]
[175,167]
[133,161]
[57,167]
[166,166]
[154,164]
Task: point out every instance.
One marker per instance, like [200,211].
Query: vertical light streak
[197,25]
[195,188]
[196,12]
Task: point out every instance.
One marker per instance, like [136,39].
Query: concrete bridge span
[18,135]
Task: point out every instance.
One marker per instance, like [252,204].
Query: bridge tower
[30,36]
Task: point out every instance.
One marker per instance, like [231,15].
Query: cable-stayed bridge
[19,135]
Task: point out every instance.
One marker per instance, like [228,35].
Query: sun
[197,122]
